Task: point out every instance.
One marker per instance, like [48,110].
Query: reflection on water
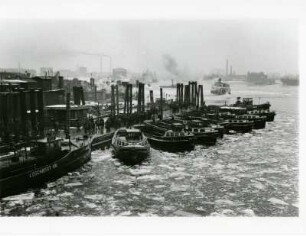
[253,174]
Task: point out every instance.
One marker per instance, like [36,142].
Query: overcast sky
[197,46]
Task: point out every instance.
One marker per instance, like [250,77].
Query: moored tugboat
[259,122]
[41,158]
[239,126]
[202,134]
[130,146]
[262,110]
[173,139]
[269,115]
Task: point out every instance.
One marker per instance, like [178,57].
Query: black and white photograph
[133,117]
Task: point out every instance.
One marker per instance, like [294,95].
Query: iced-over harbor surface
[253,174]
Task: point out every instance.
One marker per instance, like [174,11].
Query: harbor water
[252,174]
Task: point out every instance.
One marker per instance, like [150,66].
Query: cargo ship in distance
[290,81]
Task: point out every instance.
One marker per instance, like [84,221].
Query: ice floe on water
[258,185]
[178,188]
[185,214]
[178,174]
[65,194]
[20,197]
[150,177]
[230,179]
[224,202]
[95,197]
[96,158]
[277,201]
[75,184]
[224,152]
[247,212]
[139,172]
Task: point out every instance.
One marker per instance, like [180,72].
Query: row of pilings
[21,114]
[190,95]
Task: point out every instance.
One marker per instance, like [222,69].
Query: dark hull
[239,128]
[206,139]
[131,156]
[259,124]
[101,141]
[219,91]
[42,174]
[220,132]
[290,82]
[269,116]
[170,145]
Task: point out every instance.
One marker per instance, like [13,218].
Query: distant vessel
[220,88]
[259,79]
[130,145]
[168,86]
[291,81]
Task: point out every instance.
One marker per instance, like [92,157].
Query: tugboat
[220,88]
[203,135]
[43,160]
[262,110]
[171,138]
[35,161]
[130,146]
[269,115]
[259,122]
[239,126]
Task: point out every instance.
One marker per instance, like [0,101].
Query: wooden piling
[151,100]
[82,98]
[139,98]
[33,112]
[178,93]
[125,99]
[117,99]
[143,97]
[182,94]
[67,115]
[95,86]
[112,100]
[131,99]
[40,104]
[161,103]
[201,96]
[5,116]
[23,114]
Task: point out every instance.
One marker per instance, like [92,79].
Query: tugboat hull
[38,175]
[131,155]
[206,139]
[240,128]
[170,145]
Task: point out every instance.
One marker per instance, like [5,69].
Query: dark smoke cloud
[170,64]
